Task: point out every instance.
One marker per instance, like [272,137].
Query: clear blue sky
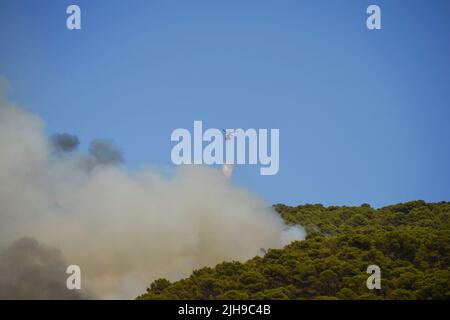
[363,116]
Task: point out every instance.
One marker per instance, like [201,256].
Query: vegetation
[410,242]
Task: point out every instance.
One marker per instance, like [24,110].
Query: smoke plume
[29,270]
[123,229]
[63,142]
[104,152]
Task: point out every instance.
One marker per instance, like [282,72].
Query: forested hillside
[410,242]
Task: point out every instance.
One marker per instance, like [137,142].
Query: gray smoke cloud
[124,229]
[64,142]
[105,152]
[29,270]
[101,153]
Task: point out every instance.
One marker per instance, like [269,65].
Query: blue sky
[363,115]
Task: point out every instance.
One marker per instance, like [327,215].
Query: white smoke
[227,170]
[124,229]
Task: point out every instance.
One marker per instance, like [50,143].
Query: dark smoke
[64,142]
[29,270]
[105,153]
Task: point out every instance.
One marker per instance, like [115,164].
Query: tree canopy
[410,242]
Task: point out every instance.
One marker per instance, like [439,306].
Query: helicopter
[228,134]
